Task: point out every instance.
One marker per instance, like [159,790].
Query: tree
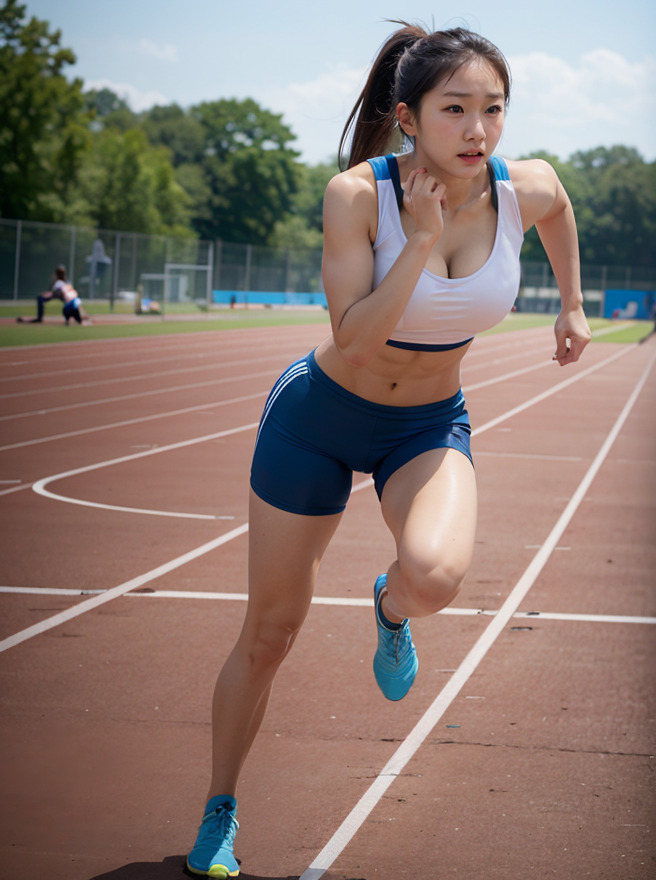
[43,127]
[613,193]
[108,110]
[619,225]
[302,228]
[130,186]
[248,168]
[176,129]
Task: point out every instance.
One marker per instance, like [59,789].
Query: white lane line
[133,584]
[172,413]
[331,601]
[512,375]
[554,389]
[103,401]
[417,736]
[200,359]
[120,590]
[40,486]
[20,488]
[530,456]
[161,415]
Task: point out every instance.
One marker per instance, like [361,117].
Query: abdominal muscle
[394,376]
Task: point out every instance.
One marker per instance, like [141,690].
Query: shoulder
[354,183]
[351,197]
[536,186]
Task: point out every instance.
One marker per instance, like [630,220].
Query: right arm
[363,318]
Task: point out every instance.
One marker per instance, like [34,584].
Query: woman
[421,252]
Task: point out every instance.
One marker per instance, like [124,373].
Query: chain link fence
[110,265]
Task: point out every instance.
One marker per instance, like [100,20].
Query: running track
[525,748]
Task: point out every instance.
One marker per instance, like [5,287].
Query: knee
[430,588]
[267,643]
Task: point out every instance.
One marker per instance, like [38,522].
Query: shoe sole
[216,872]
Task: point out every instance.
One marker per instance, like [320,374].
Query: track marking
[417,736]
[126,422]
[331,601]
[172,413]
[528,455]
[82,607]
[120,590]
[40,486]
[102,401]
[133,584]
[212,352]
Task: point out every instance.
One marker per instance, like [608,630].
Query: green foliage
[302,228]
[613,193]
[227,169]
[248,168]
[130,186]
[43,127]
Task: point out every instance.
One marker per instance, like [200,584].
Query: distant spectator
[63,291]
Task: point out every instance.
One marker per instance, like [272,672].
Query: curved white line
[40,486]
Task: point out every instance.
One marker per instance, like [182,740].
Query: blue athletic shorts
[314,434]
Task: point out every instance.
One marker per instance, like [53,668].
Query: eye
[454,108]
[495,110]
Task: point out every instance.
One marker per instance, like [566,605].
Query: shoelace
[399,643]
[226,824]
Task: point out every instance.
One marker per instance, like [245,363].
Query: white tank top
[445,313]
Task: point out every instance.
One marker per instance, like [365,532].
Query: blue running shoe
[395,660]
[212,853]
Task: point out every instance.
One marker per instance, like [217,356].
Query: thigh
[285,550]
[430,506]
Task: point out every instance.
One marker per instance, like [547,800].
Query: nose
[476,129]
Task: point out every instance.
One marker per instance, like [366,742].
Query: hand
[572,336]
[425,200]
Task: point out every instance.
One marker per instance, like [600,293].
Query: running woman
[421,253]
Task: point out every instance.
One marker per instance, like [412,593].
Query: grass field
[122,322]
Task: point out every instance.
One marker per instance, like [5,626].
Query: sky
[584,72]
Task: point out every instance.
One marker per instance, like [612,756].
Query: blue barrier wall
[271,298]
[638,304]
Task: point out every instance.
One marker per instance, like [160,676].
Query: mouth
[472,154]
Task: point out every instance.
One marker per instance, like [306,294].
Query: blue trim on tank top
[421,346]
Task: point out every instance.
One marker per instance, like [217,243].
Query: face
[459,122]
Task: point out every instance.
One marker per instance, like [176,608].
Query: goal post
[188,282]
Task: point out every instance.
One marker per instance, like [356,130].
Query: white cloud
[559,106]
[316,110]
[601,100]
[136,99]
[165,52]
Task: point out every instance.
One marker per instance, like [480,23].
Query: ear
[406,119]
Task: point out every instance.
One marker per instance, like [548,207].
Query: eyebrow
[492,95]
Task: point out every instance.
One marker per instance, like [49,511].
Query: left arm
[544,203]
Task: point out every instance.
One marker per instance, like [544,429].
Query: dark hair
[409,64]
[60,273]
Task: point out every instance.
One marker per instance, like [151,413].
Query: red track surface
[536,760]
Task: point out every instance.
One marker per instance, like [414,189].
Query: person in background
[62,290]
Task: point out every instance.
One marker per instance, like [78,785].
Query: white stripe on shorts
[292,373]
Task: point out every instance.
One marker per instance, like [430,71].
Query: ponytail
[408,65]
[373,118]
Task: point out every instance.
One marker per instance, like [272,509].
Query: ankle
[386,617]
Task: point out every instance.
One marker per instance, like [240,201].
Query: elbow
[355,353]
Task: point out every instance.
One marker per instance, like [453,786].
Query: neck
[461,191]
